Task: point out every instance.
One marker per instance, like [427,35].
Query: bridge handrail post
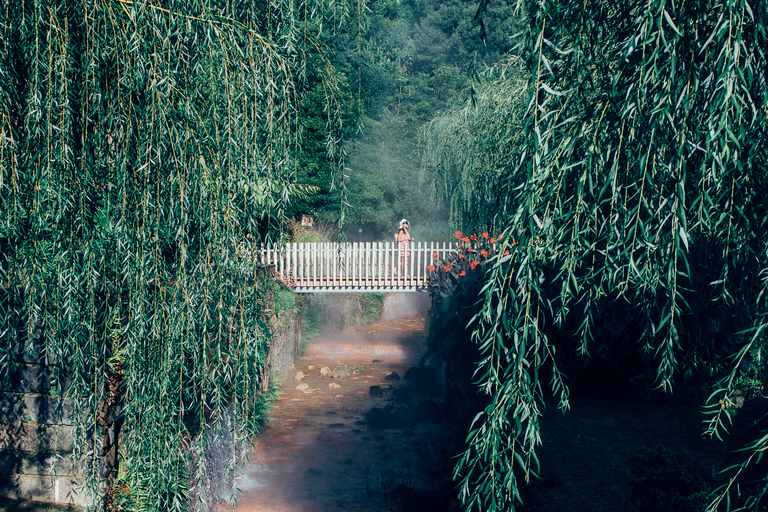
[412,259]
[397,263]
[374,263]
[360,258]
[311,264]
[430,261]
[368,264]
[383,263]
[360,262]
[299,259]
[417,263]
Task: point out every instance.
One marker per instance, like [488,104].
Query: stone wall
[283,347]
[223,450]
[338,311]
[400,304]
[36,433]
[451,354]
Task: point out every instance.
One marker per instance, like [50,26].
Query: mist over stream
[358,425]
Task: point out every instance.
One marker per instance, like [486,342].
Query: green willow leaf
[134,137]
[634,129]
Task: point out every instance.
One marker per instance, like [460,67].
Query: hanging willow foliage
[145,147]
[641,165]
[469,153]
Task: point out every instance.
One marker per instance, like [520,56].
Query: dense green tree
[317,171]
[145,148]
[631,173]
[404,61]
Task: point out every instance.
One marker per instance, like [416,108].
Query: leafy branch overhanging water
[145,148]
[631,139]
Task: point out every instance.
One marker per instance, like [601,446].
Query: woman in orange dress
[403,240]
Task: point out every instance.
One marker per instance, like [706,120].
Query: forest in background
[401,62]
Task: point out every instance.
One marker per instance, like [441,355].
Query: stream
[325,450]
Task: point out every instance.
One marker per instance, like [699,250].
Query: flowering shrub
[471,251]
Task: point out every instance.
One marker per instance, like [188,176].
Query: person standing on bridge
[403,240]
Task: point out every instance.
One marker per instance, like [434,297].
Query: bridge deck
[354,267]
[363,285]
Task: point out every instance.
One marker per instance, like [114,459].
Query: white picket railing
[354,266]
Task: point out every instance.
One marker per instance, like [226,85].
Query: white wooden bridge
[354,266]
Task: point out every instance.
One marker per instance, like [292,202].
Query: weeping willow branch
[638,157]
[142,147]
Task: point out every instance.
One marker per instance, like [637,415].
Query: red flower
[465,239]
[474,265]
[484,253]
[506,253]
[485,235]
[493,240]
[431,268]
[458,234]
[473,237]
[461,255]
[447,268]
[434,256]
[463,273]
[514,244]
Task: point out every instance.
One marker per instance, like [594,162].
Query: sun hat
[403,222]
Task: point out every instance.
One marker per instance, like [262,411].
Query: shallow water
[318,454]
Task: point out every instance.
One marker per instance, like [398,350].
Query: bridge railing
[359,265]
